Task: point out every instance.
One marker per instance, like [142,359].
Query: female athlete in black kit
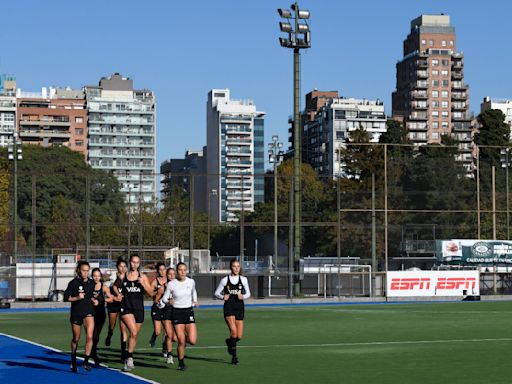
[234,289]
[156,313]
[114,308]
[101,295]
[80,293]
[167,313]
[132,306]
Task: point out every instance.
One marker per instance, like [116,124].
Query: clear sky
[182,49]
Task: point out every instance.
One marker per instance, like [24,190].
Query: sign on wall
[432,283]
[467,251]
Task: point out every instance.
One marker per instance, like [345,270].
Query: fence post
[34,237]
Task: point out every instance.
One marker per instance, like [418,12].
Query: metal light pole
[506,165]
[15,154]
[213,192]
[298,38]
[275,156]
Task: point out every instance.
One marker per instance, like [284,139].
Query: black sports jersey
[233,290]
[133,294]
[80,307]
[99,310]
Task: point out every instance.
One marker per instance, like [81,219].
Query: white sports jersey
[219,292]
[183,292]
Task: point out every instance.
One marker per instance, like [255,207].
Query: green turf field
[402,343]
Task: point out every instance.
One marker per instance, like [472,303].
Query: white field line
[59,351]
[330,345]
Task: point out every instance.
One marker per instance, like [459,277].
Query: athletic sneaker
[152,341]
[234,360]
[182,367]
[169,360]
[128,365]
[73,367]
[86,365]
[164,350]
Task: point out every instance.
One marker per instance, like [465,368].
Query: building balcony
[463,117]
[422,74]
[238,141]
[44,123]
[419,105]
[459,85]
[233,152]
[457,75]
[419,95]
[420,84]
[416,117]
[459,96]
[96,132]
[97,120]
[44,133]
[120,144]
[422,63]
[458,126]
[459,107]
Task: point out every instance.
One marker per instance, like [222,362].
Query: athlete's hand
[240,296]
[119,298]
[95,302]
[81,296]
[196,304]
[161,304]
[226,297]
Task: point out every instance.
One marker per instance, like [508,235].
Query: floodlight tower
[298,38]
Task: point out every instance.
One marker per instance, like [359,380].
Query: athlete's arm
[245,283]
[220,288]
[194,294]
[70,290]
[106,294]
[145,283]
[167,295]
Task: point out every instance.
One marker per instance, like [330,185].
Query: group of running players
[174,297]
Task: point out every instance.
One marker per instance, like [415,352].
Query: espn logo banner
[432,283]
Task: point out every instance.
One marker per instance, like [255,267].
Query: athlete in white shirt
[181,294]
[234,289]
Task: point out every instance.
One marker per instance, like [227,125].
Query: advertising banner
[433,283]
[474,252]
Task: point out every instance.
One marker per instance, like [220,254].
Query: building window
[445,83]
[431,43]
[79,131]
[79,120]
[435,72]
[423,42]
[444,113]
[435,83]
[435,94]
[444,94]
[435,125]
[444,104]
[451,43]
[435,62]
[444,73]
[444,63]
[435,104]
[443,43]
[79,143]
[435,113]
[444,125]
[435,135]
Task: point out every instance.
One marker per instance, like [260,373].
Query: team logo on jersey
[239,286]
[191,318]
[124,283]
[80,289]
[133,289]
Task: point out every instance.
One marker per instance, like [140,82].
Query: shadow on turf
[34,365]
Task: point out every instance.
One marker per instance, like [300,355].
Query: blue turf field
[22,362]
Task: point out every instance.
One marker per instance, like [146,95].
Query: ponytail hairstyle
[98,270]
[120,260]
[235,260]
[157,267]
[79,266]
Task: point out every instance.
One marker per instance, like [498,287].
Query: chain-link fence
[386,208]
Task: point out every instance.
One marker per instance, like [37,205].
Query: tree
[61,180]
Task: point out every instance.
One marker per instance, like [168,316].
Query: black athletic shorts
[237,310]
[137,313]
[114,307]
[156,313]
[167,313]
[78,319]
[183,316]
